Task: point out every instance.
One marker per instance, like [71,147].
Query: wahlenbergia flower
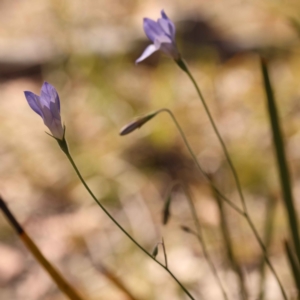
[162,35]
[48,107]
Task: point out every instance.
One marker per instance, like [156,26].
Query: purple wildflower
[162,35]
[48,107]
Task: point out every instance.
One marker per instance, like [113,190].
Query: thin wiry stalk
[185,68]
[63,145]
[229,247]
[201,240]
[194,157]
[180,62]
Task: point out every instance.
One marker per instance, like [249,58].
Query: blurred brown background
[87,49]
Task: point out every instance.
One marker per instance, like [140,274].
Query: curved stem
[229,202]
[199,235]
[263,247]
[236,178]
[185,68]
[225,230]
[64,147]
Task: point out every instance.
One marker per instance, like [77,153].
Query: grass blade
[281,160]
[293,263]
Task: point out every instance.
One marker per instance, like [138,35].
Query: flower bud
[136,124]
[166,210]
[155,251]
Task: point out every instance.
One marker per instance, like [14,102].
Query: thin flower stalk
[201,240]
[194,157]
[185,68]
[243,212]
[180,62]
[63,145]
[229,246]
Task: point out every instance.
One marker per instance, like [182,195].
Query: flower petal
[57,129]
[167,25]
[164,15]
[49,94]
[147,52]
[162,40]
[53,123]
[54,111]
[48,118]
[162,35]
[152,29]
[33,101]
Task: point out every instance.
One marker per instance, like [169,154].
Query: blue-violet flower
[162,34]
[48,107]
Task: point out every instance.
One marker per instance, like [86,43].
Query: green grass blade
[281,160]
[293,263]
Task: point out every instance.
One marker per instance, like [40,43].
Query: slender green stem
[202,242]
[229,202]
[64,147]
[258,238]
[185,68]
[229,247]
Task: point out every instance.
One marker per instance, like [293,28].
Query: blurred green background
[87,50]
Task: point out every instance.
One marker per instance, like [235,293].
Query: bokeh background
[87,49]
